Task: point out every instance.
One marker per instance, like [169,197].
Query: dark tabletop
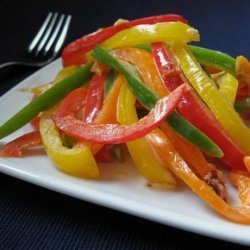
[32,217]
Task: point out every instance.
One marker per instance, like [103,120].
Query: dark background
[35,218]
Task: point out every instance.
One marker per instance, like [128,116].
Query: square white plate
[120,186]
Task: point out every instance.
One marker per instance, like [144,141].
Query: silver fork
[47,42]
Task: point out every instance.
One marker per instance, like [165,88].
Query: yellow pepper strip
[60,76]
[149,166]
[228,86]
[180,168]
[77,161]
[141,34]
[220,106]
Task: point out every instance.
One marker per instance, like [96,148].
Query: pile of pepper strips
[192,103]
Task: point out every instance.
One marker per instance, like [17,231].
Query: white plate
[120,187]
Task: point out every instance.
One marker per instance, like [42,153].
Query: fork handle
[8,64]
[28,64]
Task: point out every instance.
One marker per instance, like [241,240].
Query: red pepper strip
[193,109]
[113,133]
[104,155]
[74,53]
[35,122]
[16,147]
[243,92]
[161,145]
[94,97]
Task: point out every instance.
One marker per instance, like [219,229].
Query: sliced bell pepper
[241,180]
[94,97]
[205,87]
[109,81]
[206,193]
[46,100]
[228,86]
[77,161]
[191,154]
[148,99]
[107,114]
[193,109]
[104,155]
[169,31]
[214,58]
[242,105]
[243,92]
[242,71]
[247,163]
[112,133]
[143,62]
[149,166]
[196,161]
[74,53]
[16,147]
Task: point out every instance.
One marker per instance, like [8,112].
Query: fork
[47,42]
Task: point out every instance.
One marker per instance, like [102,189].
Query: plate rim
[120,204]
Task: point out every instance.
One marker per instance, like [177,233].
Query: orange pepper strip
[188,151]
[107,114]
[247,163]
[161,145]
[145,65]
[195,159]
[241,180]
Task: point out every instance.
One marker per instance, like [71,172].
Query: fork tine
[63,35]
[39,33]
[54,35]
[47,33]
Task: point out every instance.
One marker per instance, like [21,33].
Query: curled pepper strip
[148,99]
[75,52]
[161,145]
[191,154]
[77,161]
[112,133]
[149,166]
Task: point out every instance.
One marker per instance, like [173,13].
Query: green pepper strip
[242,105]
[214,58]
[46,100]
[148,99]
[207,57]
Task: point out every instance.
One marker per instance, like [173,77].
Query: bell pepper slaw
[139,89]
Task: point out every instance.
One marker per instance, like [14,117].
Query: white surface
[120,187]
